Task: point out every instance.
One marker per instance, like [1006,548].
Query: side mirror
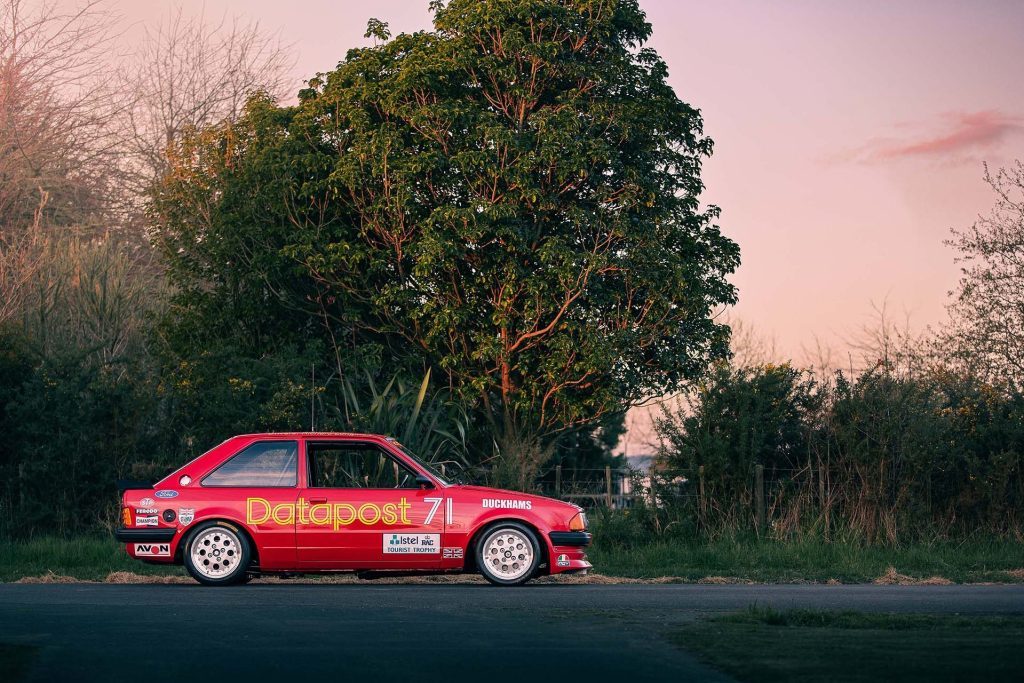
[423,482]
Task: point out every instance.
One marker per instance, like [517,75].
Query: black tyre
[217,554]
[507,554]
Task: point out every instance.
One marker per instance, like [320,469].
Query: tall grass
[751,558]
[88,558]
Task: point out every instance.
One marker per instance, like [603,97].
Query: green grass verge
[972,560]
[764,645]
[86,558]
[93,558]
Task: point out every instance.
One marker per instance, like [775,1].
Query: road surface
[358,632]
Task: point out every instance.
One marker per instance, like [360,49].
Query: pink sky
[849,136]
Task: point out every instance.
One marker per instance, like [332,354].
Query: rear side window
[264,463]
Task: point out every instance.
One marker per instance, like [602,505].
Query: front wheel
[508,554]
[217,554]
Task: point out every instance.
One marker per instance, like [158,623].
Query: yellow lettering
[372,508]
[289,509]
[404,507]
[260,511]
[250,517]
[338,507]
[325,509]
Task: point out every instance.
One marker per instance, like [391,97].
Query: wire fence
[623,488]
[611,487]
[870,502]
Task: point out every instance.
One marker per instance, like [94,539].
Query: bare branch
[55,110]
[189,73]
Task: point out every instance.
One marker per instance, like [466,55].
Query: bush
[886,455]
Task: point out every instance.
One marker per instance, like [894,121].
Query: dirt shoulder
[890,578]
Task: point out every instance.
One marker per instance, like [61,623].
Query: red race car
[327,502]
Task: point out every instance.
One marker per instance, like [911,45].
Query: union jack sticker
[452,554]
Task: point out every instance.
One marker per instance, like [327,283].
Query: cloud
[957,136]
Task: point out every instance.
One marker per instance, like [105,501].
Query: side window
[356,466]
[264,463]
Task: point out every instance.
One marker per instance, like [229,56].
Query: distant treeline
[887,455]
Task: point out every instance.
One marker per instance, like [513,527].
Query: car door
[362,508]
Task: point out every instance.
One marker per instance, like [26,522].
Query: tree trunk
[521,454]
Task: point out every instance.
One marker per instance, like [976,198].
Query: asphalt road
[153,633]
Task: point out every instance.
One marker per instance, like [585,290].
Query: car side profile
[338,502]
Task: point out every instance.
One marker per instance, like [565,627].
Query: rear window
[264,463]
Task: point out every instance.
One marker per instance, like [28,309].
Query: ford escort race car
[329,502]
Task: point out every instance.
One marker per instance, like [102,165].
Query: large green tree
[512,197]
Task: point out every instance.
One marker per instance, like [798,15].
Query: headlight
[578,523]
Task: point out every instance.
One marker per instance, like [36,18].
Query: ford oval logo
[166,493]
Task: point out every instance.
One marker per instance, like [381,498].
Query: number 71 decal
[436,503]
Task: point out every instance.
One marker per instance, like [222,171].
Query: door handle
[317,501]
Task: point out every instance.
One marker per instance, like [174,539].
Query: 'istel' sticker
[411,544]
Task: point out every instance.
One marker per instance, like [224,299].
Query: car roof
[316,435]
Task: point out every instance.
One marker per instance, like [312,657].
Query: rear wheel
[217,554]
[508,554]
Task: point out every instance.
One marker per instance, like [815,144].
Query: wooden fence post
[821,485]
[558,481]
[608,485]
[759,496]
[700,497]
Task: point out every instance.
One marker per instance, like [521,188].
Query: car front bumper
[576,539]
[567,555]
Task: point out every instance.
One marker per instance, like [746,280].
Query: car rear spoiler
[125,484]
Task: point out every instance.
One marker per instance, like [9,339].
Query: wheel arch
[254,562]
[483,527]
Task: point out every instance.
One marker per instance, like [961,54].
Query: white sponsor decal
[153,549]
[186,515]
[452,553]
[146,502]
[146,511]
[434,504]
[563,561]
[147,520]
[413,544]
[507,504]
